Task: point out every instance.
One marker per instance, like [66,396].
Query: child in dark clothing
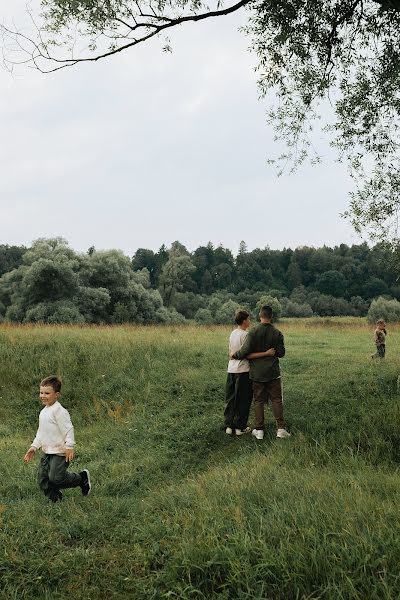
[380,339]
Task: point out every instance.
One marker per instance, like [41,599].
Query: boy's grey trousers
[53,475]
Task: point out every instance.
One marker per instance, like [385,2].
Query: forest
[50,282]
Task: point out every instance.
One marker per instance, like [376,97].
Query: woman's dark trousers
[238,395]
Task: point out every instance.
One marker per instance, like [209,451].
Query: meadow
[180,510]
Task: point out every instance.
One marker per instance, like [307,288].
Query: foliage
[325,305]
[10,257]
[204,316]
[108,287]
[153,262]
[293,309]
[332,283]
[273,303]
[175,274]
[349,53]
[381,308]
[226,314]
[58,311]
[188,303]
[56,285]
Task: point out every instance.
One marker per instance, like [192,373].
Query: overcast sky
[146,148]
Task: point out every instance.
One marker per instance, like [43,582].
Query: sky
[150,147]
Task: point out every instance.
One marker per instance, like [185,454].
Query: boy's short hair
[52,381]
[241,315]
[266,312]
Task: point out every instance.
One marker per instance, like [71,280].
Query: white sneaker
[229,430]
[258,434]
[242,431]
[282,433]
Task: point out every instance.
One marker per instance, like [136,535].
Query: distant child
[380,339]
[56,438]
[238,389]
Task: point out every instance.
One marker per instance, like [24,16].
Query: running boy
[56,438]
[380,339]
[238,389]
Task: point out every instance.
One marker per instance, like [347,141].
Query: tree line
[51,283]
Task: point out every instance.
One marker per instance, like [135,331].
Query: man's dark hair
[241,316]
[51,381]
[266,312]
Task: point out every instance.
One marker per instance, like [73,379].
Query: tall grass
[179,509]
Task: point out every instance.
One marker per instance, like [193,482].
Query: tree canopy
[310,53]
[51,283]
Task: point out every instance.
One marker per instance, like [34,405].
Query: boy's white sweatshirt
[236,340]
[56,432]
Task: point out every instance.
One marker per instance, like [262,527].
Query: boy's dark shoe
[85,485]
[55,496]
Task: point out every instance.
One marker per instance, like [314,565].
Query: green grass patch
[179,509]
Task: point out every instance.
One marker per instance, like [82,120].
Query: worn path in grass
[179,509]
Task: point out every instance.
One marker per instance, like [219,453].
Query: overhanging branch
[148,26]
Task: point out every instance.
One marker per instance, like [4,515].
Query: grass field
[179,510]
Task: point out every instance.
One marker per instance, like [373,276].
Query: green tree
[225,315]
[293,275]
[293,309]
[204,317]
[273,303]
[374,287]
[59,311]
[10,257]
[381,308]
[55,284]
[332,283]
[93,304]
[188,303]
[176,273]
[147,259]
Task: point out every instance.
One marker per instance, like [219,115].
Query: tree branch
[155,23]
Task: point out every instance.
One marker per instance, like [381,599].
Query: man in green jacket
[265,372]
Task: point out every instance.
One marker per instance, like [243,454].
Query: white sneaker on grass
[242,431]
[282,433]
[229,430]
[258,434]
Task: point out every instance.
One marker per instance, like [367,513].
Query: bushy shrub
[226,314]
[204,317]
[93,304]
[272,302]
[217,300]
[359,306]
[169,315]
[60,311]
[277,293]
[328,306]
[188,303]
[299,295]
[121,313]
[389,310]
[293,309]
